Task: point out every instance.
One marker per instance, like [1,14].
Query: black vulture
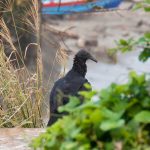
[70,84]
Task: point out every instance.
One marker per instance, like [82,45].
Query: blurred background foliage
[142,43]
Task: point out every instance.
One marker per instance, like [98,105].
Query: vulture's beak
[92,58]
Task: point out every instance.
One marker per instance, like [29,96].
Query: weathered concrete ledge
[18,138]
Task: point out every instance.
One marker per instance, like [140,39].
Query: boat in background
[60,7]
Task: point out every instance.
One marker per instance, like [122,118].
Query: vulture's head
[84,56]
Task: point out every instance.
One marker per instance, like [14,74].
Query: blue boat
[60,7]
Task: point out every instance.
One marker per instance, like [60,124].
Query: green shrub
[143,43]
[120,115]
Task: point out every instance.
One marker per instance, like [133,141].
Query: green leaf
[141,41]
[123,42]
[68,145]
[73,102]
[147,35]
[110,114]
[137,6]
[87,86]
[87,94]
[143,116]
[87,105]
[145,54]
[96,116]
[111,124]
[147,9]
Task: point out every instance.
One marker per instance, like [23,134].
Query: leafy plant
[143,42]
[120,115]
[144,4]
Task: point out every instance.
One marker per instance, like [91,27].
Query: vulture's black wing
[59,94]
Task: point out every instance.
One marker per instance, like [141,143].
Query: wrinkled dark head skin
[84,56]
[80,59]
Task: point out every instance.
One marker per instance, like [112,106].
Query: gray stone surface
[17,138]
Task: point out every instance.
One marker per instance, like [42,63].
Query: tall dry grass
[21,92]
[22,97]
